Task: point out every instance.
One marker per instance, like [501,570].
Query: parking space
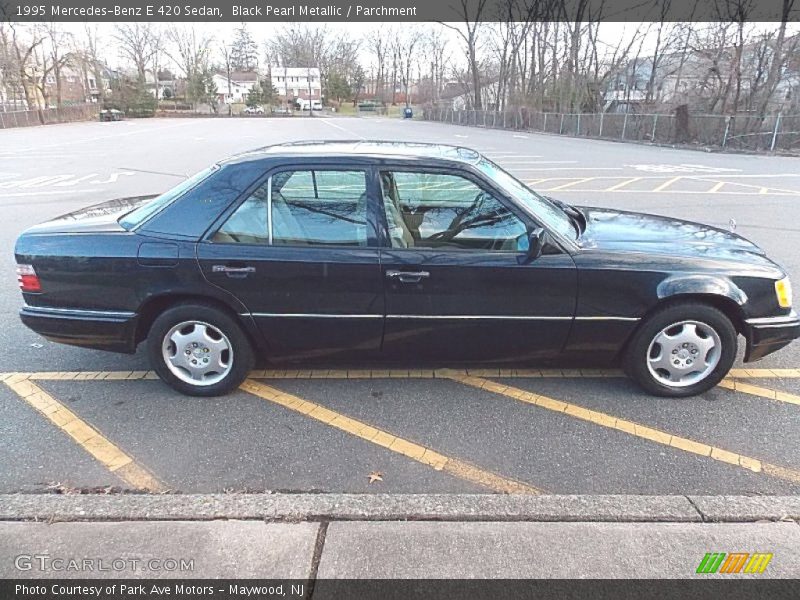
[401,431]
[73,419]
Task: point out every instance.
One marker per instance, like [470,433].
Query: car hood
[101,217]
[631,231]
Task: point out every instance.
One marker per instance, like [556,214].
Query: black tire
[635,359]
[241,358]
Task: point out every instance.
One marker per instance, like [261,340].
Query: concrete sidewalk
[277,536]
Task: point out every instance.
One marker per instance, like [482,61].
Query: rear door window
[304,207]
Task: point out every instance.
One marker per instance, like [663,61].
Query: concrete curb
[397,507]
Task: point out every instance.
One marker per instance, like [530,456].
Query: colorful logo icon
[734,562]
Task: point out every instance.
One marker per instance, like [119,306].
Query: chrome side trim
[310,315]
[774,321]
[629,319]
[512,317]
[438,317]
[79,312]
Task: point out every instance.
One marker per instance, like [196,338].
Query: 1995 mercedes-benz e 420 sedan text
[416,252]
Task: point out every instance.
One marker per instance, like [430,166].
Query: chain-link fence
[742,132]
[47,116]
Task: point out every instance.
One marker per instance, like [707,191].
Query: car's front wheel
[681,350]
[199,350]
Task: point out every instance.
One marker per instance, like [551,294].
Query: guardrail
[740,132]
[47,116]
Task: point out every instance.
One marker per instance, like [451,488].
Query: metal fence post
[775,132]
[655,122]
[578,128]
[725,135]
[544,125]
[602,114]
[561,127]
[624,124]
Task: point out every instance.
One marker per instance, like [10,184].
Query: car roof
[362,148]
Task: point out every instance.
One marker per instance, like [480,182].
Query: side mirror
[537,238]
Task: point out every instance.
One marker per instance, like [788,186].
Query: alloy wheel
[684,353]
[197,353]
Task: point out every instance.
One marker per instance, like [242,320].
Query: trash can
[407,112]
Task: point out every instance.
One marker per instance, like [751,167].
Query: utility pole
[229,100]
[310,99]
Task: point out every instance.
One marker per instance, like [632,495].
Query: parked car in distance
[414,252]
[304,104]
[111,114]
[254,110]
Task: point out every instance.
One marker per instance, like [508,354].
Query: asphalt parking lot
[78,419]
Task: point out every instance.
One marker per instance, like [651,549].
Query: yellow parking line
[621,185]
[749,186]
[421,454]
[631,428]
[570,184]
[716,187]
[88,438]
[762,392]
[667,183]
[764,373]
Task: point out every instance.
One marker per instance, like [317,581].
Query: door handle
[233,271]
[407,276]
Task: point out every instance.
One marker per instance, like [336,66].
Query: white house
[241,82]
[297,82]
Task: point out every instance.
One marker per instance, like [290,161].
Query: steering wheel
[456,225]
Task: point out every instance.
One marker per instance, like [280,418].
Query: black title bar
[341,11]
[698,588]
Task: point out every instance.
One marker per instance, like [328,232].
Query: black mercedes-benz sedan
[414,252]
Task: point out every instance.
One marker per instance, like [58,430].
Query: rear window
[140,215]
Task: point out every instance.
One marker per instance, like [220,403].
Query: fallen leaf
[375,476]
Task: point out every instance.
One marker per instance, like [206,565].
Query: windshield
[144,212]
[542,208]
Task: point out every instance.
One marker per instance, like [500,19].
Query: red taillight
[28,279]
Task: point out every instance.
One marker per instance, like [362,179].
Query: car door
[456,279]
[300,252]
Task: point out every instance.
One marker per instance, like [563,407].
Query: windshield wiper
[575,215]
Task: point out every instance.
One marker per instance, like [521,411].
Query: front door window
[447,212]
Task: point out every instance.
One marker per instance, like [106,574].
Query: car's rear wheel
[199,350]
[681,350]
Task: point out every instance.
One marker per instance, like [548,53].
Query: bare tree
[470,35]
[25,48]
[9,69]
[434,48]
[192,52]
[378,42]
[57,41]
[737,11]
[779,58]
[137,43]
